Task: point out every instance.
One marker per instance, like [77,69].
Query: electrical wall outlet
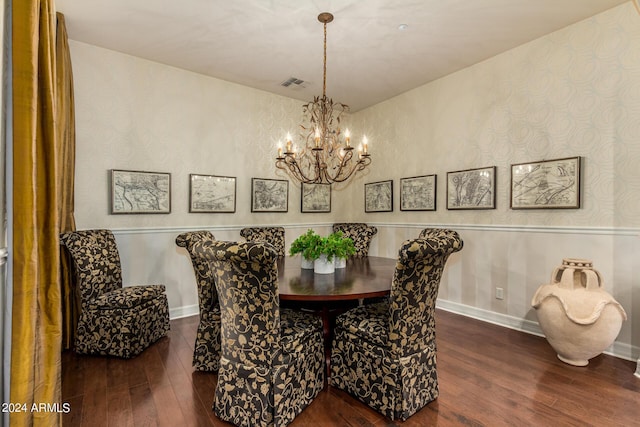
[499,293]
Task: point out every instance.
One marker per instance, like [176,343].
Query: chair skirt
[206,353]
[397,387]
[272,395]
[122,331]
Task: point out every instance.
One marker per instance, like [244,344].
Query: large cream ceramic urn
[578,317]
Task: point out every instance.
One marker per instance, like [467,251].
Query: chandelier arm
[289,165]
[357,167]
[346,159]
[292,168]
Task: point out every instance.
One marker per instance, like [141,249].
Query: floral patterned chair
[206,353]
[360,233]
[385,354]
[272,364]
[113,320]
[433,234]
[271,235]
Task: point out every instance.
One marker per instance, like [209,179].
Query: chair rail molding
[619,231]
[182,229]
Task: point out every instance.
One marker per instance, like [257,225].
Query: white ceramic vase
[306,264]
[578,317]
[322,266]
[341,262]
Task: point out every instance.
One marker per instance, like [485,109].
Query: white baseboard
[499,319]
[620,350]
[185,311]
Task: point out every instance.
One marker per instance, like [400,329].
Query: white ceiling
[261,43]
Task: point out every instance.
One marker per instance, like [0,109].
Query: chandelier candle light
[325,157]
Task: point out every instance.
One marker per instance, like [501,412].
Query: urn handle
[593,279]
[575,278]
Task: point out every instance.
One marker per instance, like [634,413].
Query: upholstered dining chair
[360,233]
[433,234]
[271,235]
[384,354]
[206,353]
[113,320]
[272,364]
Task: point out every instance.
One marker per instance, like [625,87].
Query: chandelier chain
[324,61]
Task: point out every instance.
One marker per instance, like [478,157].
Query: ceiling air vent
[296,82]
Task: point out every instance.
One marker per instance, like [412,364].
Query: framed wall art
[210,193]
[552,184]
[315,198]
[418,193]
[472,189]
[138,192]
[378,196]
[269,195]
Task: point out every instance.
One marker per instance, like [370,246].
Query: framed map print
[138,192]
[315,198]
[552,184]
[210,193]
[378,196]
[472,189]
[418,193]
[269,195]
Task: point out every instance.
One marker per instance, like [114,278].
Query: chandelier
[326,156]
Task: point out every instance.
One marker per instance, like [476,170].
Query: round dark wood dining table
[362,278]
[332,294]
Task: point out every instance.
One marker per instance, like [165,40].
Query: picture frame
[418,193]
[269,195]
[472,189]
[140,192]
[315,198]
[212,194]
[546,184]
[378,196]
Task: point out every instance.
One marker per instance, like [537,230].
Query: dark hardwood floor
[488,375]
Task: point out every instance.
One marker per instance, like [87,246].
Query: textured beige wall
[575,92]
[139,115]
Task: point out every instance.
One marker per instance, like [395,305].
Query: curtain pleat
[67,139]
[36,315]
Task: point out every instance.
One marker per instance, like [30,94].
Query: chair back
[360,233]
[96,262]
[207,294]
[246,276]
[415,288]
[272,235]
[434,234]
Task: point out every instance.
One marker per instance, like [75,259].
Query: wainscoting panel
[516,259]
[520,259]
[150,255]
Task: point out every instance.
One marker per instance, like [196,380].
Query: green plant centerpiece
[312,247]
[307,245]
[340,247]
